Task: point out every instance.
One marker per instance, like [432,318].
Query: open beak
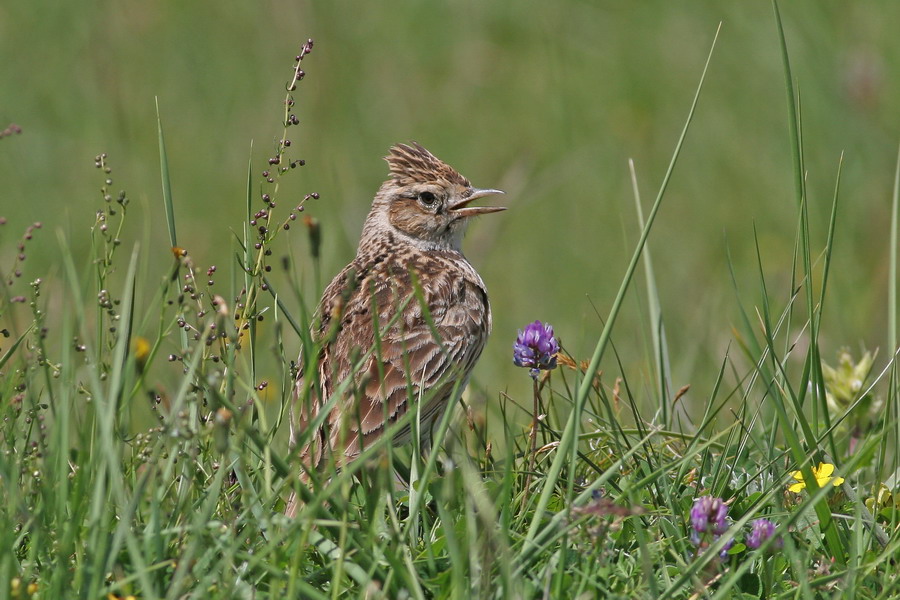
[462,208]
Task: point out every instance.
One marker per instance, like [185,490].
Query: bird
[425,347]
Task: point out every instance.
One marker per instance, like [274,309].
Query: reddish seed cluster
[11,129]
[298,72]
[101,162]
[188,287]
[279,163]
[20,249]
[30,229]
[191,290]
[290,117]
[262,220]
[103,300]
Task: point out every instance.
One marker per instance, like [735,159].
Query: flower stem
[532,436]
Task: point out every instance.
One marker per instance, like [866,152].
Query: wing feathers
[410,360]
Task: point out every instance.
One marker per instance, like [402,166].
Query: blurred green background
[546,100]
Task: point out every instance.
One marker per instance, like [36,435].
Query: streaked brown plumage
[414,230]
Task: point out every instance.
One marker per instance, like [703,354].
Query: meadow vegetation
[147,376]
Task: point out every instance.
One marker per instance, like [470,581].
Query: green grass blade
[569,443]
[892,271]
[283,309]
[120,352]
[12,349]
[829,243]
[658,329]
[166,182]
[827,524]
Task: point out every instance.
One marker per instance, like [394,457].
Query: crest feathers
[412,163]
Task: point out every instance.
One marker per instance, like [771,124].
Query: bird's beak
[461,208]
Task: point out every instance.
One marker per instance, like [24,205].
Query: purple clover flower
[708,515]
[709,520]
[760,531]
[536,348]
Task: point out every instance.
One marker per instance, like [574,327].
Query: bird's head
[425,200]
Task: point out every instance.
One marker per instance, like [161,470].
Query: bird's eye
[427,198]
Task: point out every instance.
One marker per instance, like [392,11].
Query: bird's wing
[309,402]
[411,360]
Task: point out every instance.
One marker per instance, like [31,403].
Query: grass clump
[144,445]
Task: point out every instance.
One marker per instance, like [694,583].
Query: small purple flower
[709,520]
[708,515]
[723,553]
[536,348]
[760,531]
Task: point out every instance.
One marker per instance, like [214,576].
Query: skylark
[425,348]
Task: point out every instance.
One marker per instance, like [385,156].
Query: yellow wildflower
[822,475]
[140,346]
